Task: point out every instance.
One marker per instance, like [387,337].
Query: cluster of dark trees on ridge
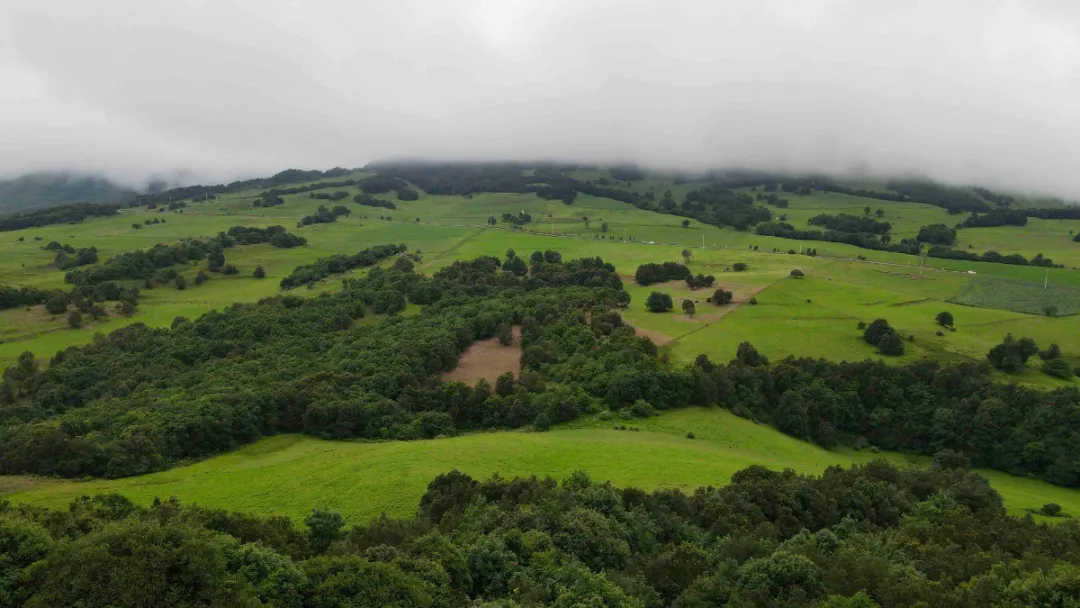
[865,537]
[196,391]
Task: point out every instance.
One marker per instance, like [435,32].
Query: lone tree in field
[75,319]
[740,266]
[797,274]
[880,213]
[721,297]
[686,223]
[687,255]
[259,273]
[659,302]
[944,319]
[688,307]
[1012,354]
[604,227]
[866,210]
[1050,310]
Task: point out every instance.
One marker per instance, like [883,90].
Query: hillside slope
[38,190]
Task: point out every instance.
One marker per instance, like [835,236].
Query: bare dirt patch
[487,359]
[658,338]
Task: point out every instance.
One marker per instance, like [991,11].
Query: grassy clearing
[291,474]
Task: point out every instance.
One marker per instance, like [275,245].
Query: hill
[39,190]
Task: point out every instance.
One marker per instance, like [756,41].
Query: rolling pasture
[290,474]
[815,316]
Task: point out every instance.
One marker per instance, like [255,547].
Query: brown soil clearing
[487,359]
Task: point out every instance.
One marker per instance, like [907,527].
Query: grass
[291,474]
[1021,296]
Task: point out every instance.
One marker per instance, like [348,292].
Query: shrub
[690,435]
[739,266]
[659,302]
[796,274]
[752,301]
[259,273]
[1057,368]
[75,319]
[1051,509]
[721,296]
[944,319]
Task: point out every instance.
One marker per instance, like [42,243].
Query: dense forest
[142,399]
[871,536]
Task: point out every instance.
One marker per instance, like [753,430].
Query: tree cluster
[339,263]
[650,273]
[371,201]
[276,236]
[845,222]
[154,264]
[324,215]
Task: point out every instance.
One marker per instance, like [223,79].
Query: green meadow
[814,316]
[291,474]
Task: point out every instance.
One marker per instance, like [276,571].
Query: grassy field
[815,316]
[291,474]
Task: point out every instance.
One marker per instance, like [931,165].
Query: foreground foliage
[871,535]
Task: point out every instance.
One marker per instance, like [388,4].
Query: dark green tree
[659,302]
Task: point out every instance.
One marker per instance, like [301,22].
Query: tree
[97,311]
[505,334]
[944,319]
[659,302]
[796,274]
[739,266]
[1050,310]
[686,223]
[1012,354]
[891,344]
[721,297]
[877,330]
[1053,352]
[880,213]
[75,319]
[687,255]
[229,269]
[1058,368]
[324,527]
[947,459]
[688,307]
[866,210]
[259,273]
[56,304]
[180,282]
[604,227]
[748,355]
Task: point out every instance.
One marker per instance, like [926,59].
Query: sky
[968,91]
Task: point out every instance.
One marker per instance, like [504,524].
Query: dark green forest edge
[864,537]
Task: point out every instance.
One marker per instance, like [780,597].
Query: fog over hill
[960,90]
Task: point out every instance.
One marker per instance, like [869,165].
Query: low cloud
[968,91]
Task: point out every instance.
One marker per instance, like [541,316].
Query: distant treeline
[336,264]
[64,214]
[288,176]
[155,265]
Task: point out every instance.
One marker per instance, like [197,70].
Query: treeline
[18,297]
[371,201]
[647,274]
[155,265]
[287,176]
[63,214]
[339,263]
[277,236]
[845,222]
[997,217]
[868,536]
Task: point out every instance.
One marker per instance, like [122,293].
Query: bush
[641,409]
[690,435]
[1053,352]
[75,319]
[796,274]
[944,319]
[659,302]
[740,266]
[229,269]
[259,273]
[721,296]
[752,301]
[1057,368]
[939,333]
[861,325]
[1051,509]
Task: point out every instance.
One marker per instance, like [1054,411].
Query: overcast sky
[979,90]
